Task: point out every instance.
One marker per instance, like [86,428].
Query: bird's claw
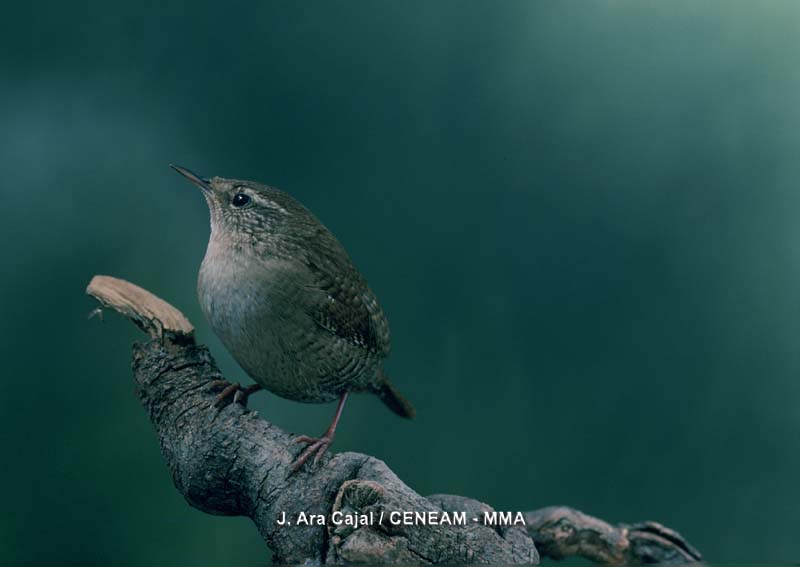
[215,385]
[317,446]
[239,392]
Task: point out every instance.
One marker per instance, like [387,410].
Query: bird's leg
[239,393]
[242,394]
[318,445]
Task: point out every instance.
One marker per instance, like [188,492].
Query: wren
[283,296]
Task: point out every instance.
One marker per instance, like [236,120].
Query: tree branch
[229,461]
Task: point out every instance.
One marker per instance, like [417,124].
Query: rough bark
[229,461]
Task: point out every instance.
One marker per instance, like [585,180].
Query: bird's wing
[345,305]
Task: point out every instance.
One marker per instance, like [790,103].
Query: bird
[287,302]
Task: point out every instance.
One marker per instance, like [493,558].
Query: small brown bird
[285,299]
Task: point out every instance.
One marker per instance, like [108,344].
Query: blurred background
[580,217]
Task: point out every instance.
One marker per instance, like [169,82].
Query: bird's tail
[389,395]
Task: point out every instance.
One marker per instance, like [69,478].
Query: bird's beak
[193,177]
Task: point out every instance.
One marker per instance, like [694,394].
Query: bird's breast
[242,300]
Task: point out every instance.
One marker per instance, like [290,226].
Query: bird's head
[245,212]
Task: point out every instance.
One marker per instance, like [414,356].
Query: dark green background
[580,217]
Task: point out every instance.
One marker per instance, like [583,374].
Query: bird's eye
[240,200]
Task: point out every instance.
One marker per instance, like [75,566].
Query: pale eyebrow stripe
[266,202]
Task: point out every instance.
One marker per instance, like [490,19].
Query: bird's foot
[317,446]
[237,391]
